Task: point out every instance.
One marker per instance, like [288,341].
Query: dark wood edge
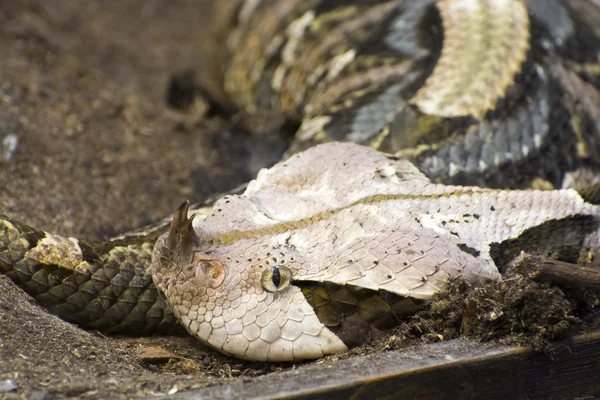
[447,370]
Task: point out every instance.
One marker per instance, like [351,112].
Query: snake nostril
[210,273]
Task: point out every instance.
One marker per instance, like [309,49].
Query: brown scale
[357,315]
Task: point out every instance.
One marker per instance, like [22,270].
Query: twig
[543,269]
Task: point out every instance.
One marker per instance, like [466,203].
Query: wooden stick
[544,269]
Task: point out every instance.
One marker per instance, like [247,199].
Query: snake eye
[276,278]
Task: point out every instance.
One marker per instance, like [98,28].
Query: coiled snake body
[341,240]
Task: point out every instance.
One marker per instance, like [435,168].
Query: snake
[431,132]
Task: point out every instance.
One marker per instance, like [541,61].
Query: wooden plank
[457,369]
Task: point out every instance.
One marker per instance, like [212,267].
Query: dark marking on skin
[88,253]
[381,174]
[469,250]
[476,216]
[347,311]
[454,233]
[562,239]
[492,208]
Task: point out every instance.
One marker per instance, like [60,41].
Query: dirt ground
[101,148]
[83,88]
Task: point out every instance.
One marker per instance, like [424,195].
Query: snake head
[235,293]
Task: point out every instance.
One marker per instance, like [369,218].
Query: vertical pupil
[276,276]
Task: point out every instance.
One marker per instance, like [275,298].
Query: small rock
[7,385]
[156,354]
[9,146]
[40,395]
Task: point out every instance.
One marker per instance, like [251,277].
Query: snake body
[499,94]
[344,214]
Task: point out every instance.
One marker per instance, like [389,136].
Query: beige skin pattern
[341,213]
